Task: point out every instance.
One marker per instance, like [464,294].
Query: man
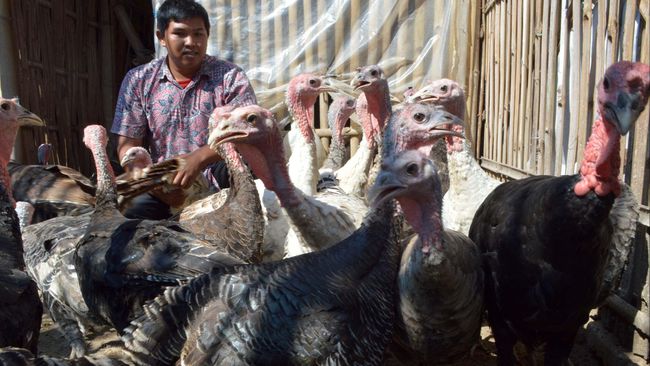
[166,104]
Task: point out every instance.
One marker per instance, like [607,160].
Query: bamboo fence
[540,63]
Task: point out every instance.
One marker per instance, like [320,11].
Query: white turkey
[338,114]
[469,184]
[546,240]
[373,108]
[319,221]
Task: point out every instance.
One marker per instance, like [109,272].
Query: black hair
[177,10]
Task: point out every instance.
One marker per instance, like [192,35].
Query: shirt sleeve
[130,117]
[238,90]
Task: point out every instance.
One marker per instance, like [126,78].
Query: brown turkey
[546,240]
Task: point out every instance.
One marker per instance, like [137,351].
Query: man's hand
[195,162]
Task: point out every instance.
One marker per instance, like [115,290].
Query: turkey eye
[419,117]
[412,169]
[312,82]
[605,83]
[5,106]
[443,88]
[251,118]
[373,73]
[350,103]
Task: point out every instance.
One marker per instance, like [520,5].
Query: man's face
[186,42]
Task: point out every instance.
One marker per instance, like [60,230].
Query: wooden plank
[521,118]
[612,30]
[640,181]
[534,128]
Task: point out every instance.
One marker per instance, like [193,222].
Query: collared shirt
[173,120]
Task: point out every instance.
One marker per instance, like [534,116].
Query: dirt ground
[53,344]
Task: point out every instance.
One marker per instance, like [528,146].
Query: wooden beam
[502,169]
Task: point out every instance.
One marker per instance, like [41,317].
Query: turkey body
[545,249]
[20,306]
[334,306]
[53,190]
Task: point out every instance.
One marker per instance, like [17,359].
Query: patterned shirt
[173,120]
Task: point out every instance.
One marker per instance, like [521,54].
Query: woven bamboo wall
[540,62]
[71,57]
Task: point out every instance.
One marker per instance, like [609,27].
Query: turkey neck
[601,163]
[7,139]
[106,193]
[302,162]
[378,109]
[337,147]
[11,250]
[239,173]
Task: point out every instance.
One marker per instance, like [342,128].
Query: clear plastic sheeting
[412,40]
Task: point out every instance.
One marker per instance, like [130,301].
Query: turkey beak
[442,126]
[422,96]
[386,187]
[27,118]
[126,160]
[326,89]
[624,111]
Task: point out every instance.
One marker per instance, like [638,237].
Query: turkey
[143,176]
[319,221]
[20,306]
[53,190]
[373,108]
[123,262]
[545,240]
[335,306]
[338,114]
[469,184]
[24,213]
[306,154]
[237,226]
[440,279]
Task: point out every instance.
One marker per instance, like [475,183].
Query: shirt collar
[167,74]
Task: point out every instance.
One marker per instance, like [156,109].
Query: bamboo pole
[534,122]
[266,39]
[551,85]
[236,36]
[543,86]
[252,34]
[575,91]
[501,47]
[528,120]
[480,113]
[515,102]
[585,67]
[221,28]
[612,30]
[508,80]
[641,133]
[474,81]
[279,30]
[562,90]
[489,70]
[355,25]
[523,70]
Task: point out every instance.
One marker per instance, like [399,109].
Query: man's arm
[195,162]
